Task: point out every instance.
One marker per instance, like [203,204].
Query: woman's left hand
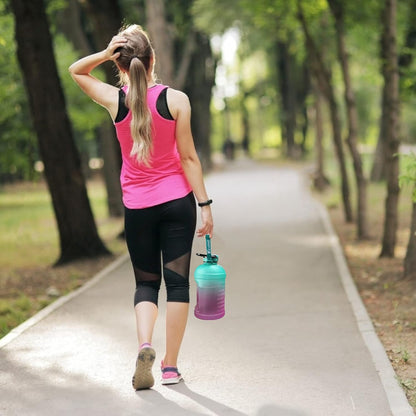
[207,226]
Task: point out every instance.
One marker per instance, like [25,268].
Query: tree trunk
[69,23]
[324,80]
[245,125]
[167,45]
[161,33]
[406,57]
[391,87]
[201,79]
[378,170]
[405,60]
[77,230]
[410,259]
[303,90]
[106,21]
[287,88]
[320,181]
[352,140]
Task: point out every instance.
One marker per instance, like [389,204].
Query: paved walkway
[296,340]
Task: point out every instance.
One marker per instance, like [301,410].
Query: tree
[175,46]
[183,65]
[337,9]
[391,95]
[320,181]
[77,230]
[406,58]
[323,78]
[18,150]
[408,177]
[162,35]
[270,26]
[106,21]
[198,87]
[287,66]
[410,258]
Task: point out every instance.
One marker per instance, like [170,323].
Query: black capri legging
[161,235]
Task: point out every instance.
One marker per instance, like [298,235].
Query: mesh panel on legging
[176,275]
[147,286]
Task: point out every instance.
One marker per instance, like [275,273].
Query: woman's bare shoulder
[177,101]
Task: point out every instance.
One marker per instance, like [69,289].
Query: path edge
[399,405]
[43,313]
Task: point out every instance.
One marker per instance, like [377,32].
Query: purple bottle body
[210,280]
[210,301]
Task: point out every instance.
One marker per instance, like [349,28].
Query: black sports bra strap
[122,109]
[162,105]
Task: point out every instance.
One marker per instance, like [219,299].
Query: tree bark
[106,21]
[320,181]
[378,170]
[391,88]
[77,230]
[161,33]
[287,88]
[303,90]
[201,79]
[336,7]
[245,125]
[405,60]
[324,79]
[410,258]
[69,23]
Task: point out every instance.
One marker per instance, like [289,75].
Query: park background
[326,87]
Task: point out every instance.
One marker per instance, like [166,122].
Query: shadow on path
[212,405]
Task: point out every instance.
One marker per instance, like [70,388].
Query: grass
[29,245]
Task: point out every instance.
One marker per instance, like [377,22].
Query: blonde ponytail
[141,123]
[134,62]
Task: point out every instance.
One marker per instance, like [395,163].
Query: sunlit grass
[29,233]
[15,311]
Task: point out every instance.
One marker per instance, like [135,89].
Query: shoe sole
[143,377]
[175,380]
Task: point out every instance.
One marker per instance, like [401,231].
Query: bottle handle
[208,258]
[208,244]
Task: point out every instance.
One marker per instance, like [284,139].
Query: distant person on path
[161,176]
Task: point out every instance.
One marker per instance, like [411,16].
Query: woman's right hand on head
[116,42]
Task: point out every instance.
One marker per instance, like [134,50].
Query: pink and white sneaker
[170,375]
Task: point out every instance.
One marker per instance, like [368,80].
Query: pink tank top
[164,180]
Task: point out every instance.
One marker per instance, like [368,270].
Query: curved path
[295,341]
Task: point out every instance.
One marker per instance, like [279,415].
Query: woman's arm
[101,92]
[180,108]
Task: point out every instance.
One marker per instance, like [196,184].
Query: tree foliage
[18,145]
[18,148]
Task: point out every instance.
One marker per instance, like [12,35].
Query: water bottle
[210,281]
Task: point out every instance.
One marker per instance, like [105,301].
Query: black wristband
[204,204]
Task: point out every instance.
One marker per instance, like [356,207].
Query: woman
[161,176]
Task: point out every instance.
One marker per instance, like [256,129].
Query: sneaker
[170,375]
[143,377]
